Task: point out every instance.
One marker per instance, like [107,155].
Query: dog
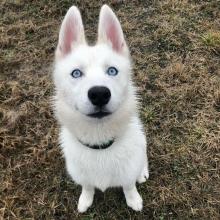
[96,105]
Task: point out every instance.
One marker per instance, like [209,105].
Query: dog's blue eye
[76,73]
[112,71]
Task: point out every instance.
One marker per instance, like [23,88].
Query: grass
[175,49]
[212,40]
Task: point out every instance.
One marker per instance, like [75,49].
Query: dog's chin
[99,114]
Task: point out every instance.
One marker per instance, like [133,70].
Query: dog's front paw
[83,204]
[133,199]
[85,200]
[135,203]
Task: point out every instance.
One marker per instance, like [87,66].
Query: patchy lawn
[175,46]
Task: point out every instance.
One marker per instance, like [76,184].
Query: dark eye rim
[112,67]
[81,73]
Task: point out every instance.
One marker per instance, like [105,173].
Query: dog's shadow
[111,197]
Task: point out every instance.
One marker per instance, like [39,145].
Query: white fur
[125,161]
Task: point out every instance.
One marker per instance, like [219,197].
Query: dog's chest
[118,165]
[104,169]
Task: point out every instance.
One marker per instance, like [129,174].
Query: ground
[175,46]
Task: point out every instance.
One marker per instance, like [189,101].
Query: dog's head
[92,80]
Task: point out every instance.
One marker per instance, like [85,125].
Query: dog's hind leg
[144,173]
[86,198]
[133,198]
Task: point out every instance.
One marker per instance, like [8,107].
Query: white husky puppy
[101,135]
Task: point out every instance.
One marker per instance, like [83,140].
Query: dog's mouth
[99,114]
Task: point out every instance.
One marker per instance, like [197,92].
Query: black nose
[99,95]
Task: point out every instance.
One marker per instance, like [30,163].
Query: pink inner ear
[114,36]
[69,37]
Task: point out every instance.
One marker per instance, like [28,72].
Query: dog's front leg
[133,198]
[86,198]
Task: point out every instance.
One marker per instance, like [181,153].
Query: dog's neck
[99,131]
[95,131]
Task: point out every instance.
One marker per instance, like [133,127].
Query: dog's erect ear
[71,32]
[110,31]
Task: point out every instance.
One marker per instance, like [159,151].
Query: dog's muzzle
[99,96]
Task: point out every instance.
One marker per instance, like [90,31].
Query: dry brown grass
[175,47]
